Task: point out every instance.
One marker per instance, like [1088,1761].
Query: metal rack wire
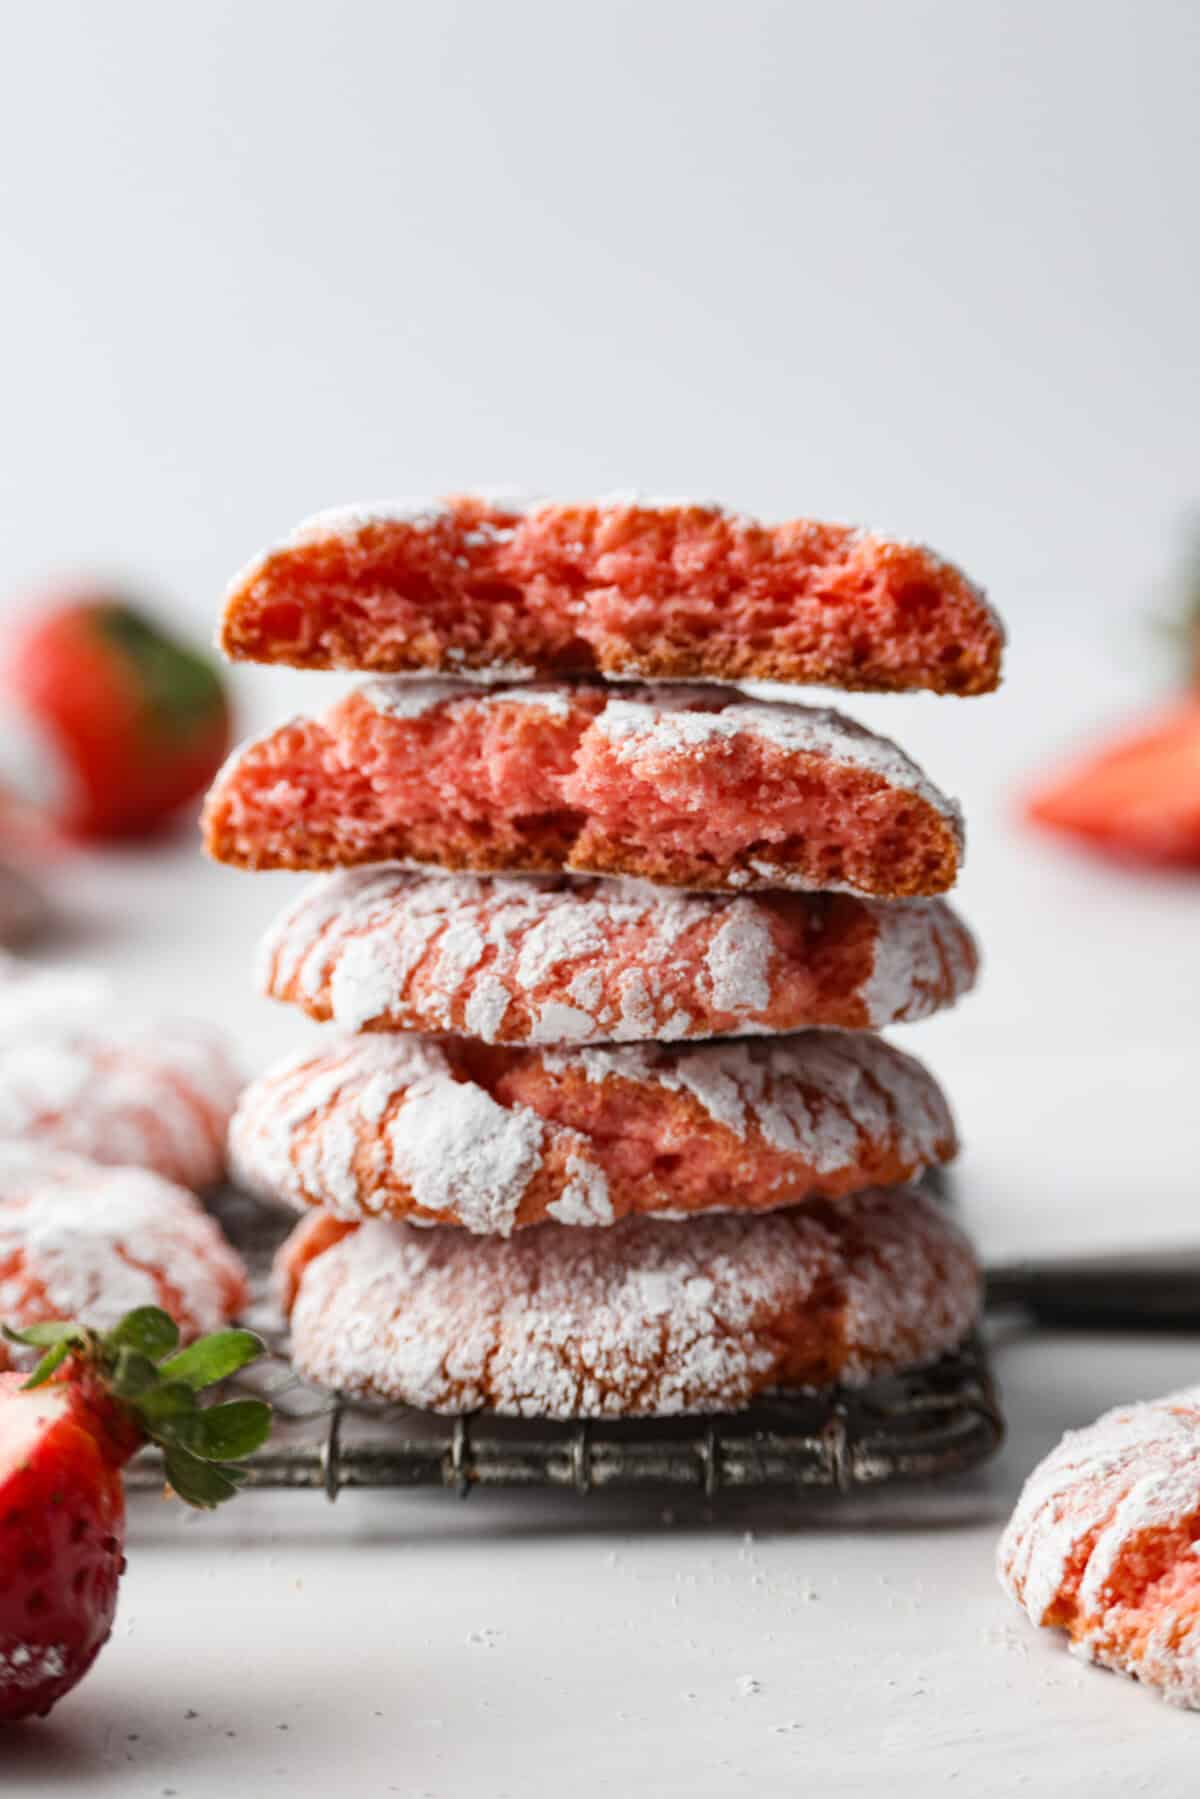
[931,1421]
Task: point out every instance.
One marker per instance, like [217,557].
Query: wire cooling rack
[930,1421]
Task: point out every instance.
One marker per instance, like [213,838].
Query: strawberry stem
[155,1384]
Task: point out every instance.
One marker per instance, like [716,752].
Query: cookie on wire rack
[156,1096]
[81,1240]
[648,1319]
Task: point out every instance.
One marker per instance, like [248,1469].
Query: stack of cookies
[609,1129]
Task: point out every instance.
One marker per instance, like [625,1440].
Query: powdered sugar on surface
[397,1124]
[551,960]
[645,1318]
[78,1240]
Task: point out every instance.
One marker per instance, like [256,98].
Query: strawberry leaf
[169,1400]
[225,1433]
[200,1483]
[149,1330]
[41,1336]
[132,1374]
[213,1358]
[53,1358]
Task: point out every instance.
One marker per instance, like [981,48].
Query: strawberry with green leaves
[107,724]
[66,1432]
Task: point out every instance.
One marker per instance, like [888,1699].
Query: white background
[929,266]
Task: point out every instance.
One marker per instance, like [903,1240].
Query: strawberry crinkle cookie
[155,1096]
[552,960]
[647,1319]
[668,589]
[78,1240]
[497,1139]
[685,786]
[1103,1543]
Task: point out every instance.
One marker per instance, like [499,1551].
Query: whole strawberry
[107,725]
[65,1434]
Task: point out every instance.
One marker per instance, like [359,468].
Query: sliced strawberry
[140,722]
[65,1434]
[1139,798]
[62,1534]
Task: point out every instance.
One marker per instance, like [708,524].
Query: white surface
[926,266]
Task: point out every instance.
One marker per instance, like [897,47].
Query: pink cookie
[648,1318]
[82,1241]
[552,960]
[666,588]
[685,786]
[1103,1543]
[153,1096]
[494,1139]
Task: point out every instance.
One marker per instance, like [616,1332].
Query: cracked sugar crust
[647,1319]
[683,786]
[155,1095]
[1103,1543]
[554,960]
[495,1139]
[81,1240]
[624,586]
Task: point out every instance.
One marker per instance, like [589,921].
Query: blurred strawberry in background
[1138,796]
[107,724]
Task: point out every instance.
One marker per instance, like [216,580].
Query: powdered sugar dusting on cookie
[553,960]
[585,1199]
[463,1156]
[412,699]
[158,1096]
[80,1241]
[665,722]
[1103,1543]
[645,1318]
[412,1127]
[920,951]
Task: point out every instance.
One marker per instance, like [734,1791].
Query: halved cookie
[667,589]
[1103,1543]
[681,785]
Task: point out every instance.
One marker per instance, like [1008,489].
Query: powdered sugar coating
[682,785]
[154,1096]
[1103,1543]
[78,1240]
[648,1318]
[551,960]
[497,1139]
[658,723]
